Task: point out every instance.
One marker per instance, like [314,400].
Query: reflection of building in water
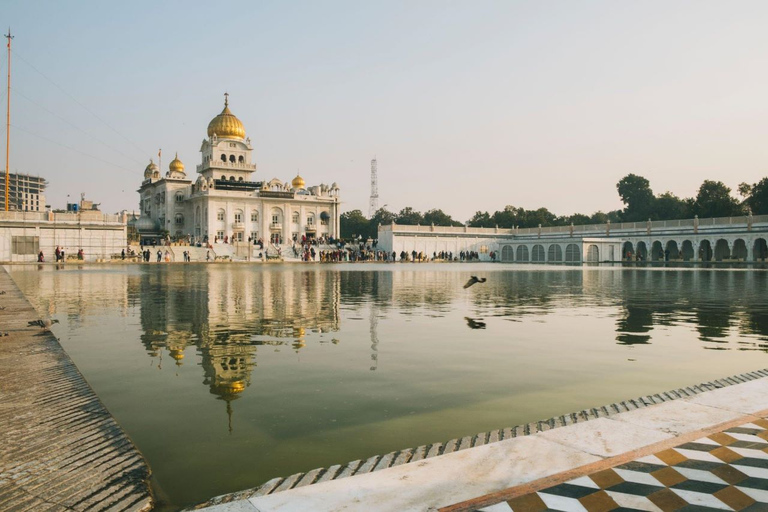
[227,313]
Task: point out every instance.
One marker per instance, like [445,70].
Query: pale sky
[467,105]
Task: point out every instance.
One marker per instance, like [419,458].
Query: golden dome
[176,165]
[226,125]
[298,182]
[150,169]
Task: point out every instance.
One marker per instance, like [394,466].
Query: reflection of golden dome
[226,125]
[176,165]
[298,182]
[299,332]
[177,354]
[229,388]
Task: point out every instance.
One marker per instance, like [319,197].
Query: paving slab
[605,437]
[677,417]
[747,398]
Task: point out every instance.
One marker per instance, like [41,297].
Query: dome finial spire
[226,99]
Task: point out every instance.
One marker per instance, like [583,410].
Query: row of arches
[539,254]
[722,250]
[233,159]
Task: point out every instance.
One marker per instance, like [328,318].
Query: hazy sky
[468,105]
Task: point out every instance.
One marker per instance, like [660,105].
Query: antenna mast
[373,205]
[8,123]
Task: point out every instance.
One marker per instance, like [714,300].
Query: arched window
[223,158]
[572,253]
[254,216]
[238,216]
[232,158]
[220,214]
[179,219]
[240,178]
[277,217]
[311,219]
[241,159]
[295,217]
[231,178]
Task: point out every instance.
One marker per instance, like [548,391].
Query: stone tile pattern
[724,471]
[409,455]
[60,448]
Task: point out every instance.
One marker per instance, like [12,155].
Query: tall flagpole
[8,123]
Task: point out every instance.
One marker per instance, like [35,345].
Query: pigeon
[474,324]
[473,280]
[2,292]
[43,324]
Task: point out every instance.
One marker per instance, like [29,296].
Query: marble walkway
[704,452]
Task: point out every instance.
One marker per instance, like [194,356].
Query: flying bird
[473,280]
[42,323]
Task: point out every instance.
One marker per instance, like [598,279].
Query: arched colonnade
[724,248]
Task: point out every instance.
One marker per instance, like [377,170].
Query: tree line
[713,199]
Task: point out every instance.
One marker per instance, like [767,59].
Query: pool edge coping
[408,455]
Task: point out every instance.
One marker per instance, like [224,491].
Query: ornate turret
[151,171]
[176,168]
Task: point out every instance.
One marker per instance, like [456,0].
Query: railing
[213,164]
[276,193]
[604,229]
[63,217]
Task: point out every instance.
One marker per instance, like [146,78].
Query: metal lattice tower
[373,205]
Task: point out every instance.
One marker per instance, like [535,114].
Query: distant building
[25,192]
[224,202]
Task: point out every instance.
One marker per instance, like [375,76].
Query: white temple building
[226,202]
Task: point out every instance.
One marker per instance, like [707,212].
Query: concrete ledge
[689,415]
[61,449]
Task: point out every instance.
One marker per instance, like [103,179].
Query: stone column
[287,214]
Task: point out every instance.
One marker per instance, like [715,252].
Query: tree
[354,223]
[409,216]
[439,218]
[668,207]
[383,217]
[758,197]
[745,190]
[541,216]
[480,220]
[507,218]
[577,219]
[635,192]
[714,200]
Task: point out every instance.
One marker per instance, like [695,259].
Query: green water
[228,375]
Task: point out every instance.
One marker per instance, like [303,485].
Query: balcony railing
[280,194]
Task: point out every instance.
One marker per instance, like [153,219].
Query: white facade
[24,234]
[735,239]
[224,201]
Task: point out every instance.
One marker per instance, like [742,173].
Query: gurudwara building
[225,202]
